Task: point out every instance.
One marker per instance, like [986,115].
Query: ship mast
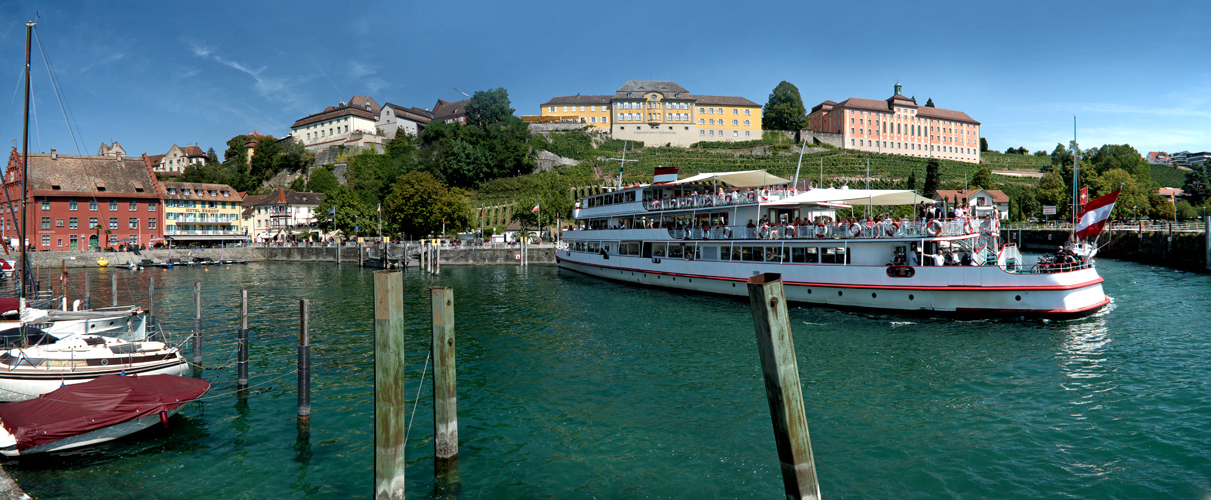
[1075,199]
[29,29]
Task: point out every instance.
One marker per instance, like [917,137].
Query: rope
[418,388]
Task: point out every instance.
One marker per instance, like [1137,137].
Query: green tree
[295,157]
[419,204]
[1185,211]
[1198,184]
[488,107]
[784,110]
[299,184]
[1052,191]
[211,157]
[983,179]
[1131,194]
[1122,156]
[1060,157]
[323,181]
[983,145]
[400,146]
[933,179]
[266,158]
[344,211]
[911,183]
[929,103]
[1160,207]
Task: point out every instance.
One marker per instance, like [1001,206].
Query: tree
[211,157]
[1122,156]
[933,179]
[929,102]
[299,184]
[419,204]
[911,183]
[983,145]
[266,158]
[1052,191]
[1131,195]
[983,179]
[343,210]
[488,106]
[323,181]
[784,110]
[1198,184]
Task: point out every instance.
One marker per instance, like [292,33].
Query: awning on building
[205,237]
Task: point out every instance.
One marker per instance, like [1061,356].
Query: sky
[151,74]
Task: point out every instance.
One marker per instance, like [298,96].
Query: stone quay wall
[449,256]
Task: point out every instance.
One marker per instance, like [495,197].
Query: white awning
[745,179]
[879,197]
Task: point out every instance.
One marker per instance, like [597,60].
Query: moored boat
[46,364]
[711,232]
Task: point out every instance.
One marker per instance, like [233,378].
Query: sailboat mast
[29,30]
[1075,154]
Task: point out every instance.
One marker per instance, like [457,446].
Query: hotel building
[897,125]
[659,112]
[195,212]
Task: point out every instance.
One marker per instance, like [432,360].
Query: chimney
[53,155]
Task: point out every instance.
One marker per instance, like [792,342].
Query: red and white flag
[1095,215]
[535,209]
[1084,196]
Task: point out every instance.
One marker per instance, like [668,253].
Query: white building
[176,159]
[336,124]
[282,213]
[410,120]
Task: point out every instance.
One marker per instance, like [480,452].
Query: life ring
[969,226]
[762,231]
[933,227]
[892,230]
[790,231]
[727,233]
[855,230]
[764,195]
[821,230]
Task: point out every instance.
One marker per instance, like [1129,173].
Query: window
[46,240]
[45,204]
[113,222]
[746,133]
[93,223]
[735,133]
[720,110]
[46,223]
[73,223]
[748,112]
[60,241]
[702,121]
[582,109]
[712,121]
[73,205]
[92,205]
[701,132]
[134,206]
[710,111]
[113,205]
[592,119]
[605,119]
[551,109]
[134,223]
[565,109]
[151,206]
[58,222]
[735,122]
[747,123]
[151,223]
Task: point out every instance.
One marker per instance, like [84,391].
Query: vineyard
[1024,163]
[1167,176]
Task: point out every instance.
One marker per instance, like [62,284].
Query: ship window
[675,251]
[797,255]
[618,198]
[812,255]
[828,255]
[658,249]
[710,253]
[594,246]
[773,254]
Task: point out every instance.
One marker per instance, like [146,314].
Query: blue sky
[156,73]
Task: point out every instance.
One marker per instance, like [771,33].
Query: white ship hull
[8,444]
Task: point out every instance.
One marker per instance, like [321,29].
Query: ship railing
[705,200]
[837,230]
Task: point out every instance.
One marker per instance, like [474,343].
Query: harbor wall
[89,259]
[1185,250]
[449,256]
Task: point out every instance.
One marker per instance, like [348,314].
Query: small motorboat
[93,412]
[128,323]
[129,265]
[28,372]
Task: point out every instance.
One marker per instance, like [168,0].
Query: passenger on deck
[912,256]
[751,229]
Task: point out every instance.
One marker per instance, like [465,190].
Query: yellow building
[201,213]
[658,113]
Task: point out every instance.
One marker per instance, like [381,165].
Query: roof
[1171,192]
[724,100]
[192,152]
[743,179]
[87,175]
[579,99]
[290,197]
[998,196]
[922,111]
[360,102]
[662,86]
[446,110]
[156,159]
[878,197]
[199,191]
[420,115]
[331,113]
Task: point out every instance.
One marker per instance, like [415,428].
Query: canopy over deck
[879,197]
[744,179]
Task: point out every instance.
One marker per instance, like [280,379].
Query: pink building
[899,126]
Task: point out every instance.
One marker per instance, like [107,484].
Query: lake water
[572,387]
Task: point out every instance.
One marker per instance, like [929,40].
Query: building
[658,113]
[1188,159]
[980,201]
[451,112]
[82,202]
[897,125]
[116,150]
[1158,158]
[279,215]
[335,125]
[195,212]
[177,158]
[394,118]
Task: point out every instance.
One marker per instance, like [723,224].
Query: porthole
[691,280]
[910,297]
[809,291]
[874,295]
[840,293]
[733,285]
[1018,298]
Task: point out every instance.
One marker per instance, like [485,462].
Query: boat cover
[743,179]
[11,337]
[104,401]
[879,197]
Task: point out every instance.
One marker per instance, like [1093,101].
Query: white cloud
[358,70]
[199,50]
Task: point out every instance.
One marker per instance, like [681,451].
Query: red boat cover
[9,304]
[101,402]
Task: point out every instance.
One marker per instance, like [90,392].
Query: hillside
[1167,176]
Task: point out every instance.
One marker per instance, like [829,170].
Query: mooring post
[361,256]
[304,368]
[338,253]
[437,262]
[114,285]
[87,296]
[445,386]
[242,348]
[779,368]
[389,398]
[197,322]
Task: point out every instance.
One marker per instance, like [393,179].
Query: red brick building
[81,202]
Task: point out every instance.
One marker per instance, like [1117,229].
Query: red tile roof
[998,196]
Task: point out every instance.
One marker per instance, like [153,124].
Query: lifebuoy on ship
[970,226]
[790,231]
[892,230]
[764,195]
[855,230]
[933,227]
[821,230]
[727,232]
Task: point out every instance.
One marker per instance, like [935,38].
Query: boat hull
[22,383]
[89,438]
[959,291]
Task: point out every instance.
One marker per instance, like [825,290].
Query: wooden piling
[390,422]
[242,348]
[197,323]
[781,373]
[114,285]
[304,367]
[445,386]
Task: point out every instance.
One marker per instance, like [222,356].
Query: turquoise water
[572,387]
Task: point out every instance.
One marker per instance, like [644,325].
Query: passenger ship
[711,232]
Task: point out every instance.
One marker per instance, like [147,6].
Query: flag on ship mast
[1091,220]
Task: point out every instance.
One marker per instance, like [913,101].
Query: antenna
[451,86]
